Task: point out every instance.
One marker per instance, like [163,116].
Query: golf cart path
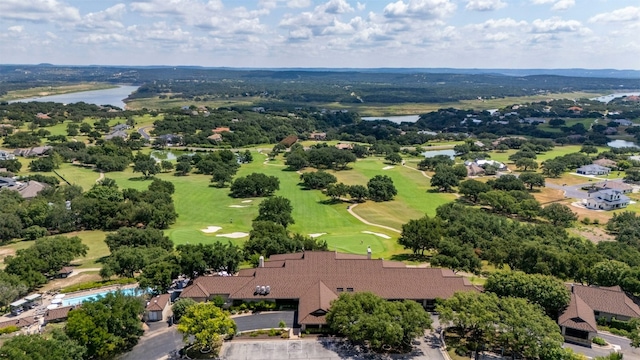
[362,220]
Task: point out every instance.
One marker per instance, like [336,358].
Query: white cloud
[555,25]
[107,19]
[485,5]
[38,11]
[627,14]
[335,7]
[558,5]
[16,28]
[500,23]
[360,6]
[298,3]
[426,9]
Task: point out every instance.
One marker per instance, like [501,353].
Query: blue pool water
[93,297]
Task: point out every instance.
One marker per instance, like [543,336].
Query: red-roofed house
[158,308]
[311,280]
[221,129]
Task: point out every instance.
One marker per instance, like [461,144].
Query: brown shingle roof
[22,322]
[158,303]
[303,275]
[58,313]
[578,315]
[66,270]
[610,300]
[315,303]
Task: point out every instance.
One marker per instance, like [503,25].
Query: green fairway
[556,151]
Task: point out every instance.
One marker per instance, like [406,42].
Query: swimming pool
[93,297]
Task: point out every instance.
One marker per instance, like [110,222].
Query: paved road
[143,131]
[157,343]
[575,191]
[623,343]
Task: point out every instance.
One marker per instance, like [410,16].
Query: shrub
[9,329]
[621,325]
[599,341]
[586,220]
[274,332]
[282,324]
[218,301]
[461,351]
[596,221]
[97,284]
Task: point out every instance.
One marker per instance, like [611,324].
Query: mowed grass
[93,239]
[412,202]
[556,151]
[199,205]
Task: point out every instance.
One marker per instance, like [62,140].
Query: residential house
[221,129]
[575,109]
[593,169]
[158,308]
[116,134]
[615,185]
[20,323]
[497,164]
[589,303]
[623,122]
[31,189]
[31,152]
[474,169]
[43,116]
[215,137]
[344,146]
[289,140]
[608,199]
[610,131]
[532,121]
[311,280]
[171,139]
[57,314]
[8,183]
[317,136]
[606,163]
[120,127]
[6,155]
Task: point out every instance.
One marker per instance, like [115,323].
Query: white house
[6,156]
[608,199]
[593,169]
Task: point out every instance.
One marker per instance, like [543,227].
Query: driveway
[156,343]
[575,191]
[143,131]
[617,341]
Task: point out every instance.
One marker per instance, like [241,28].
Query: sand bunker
[211,229]
[246,201]
[234,235]
[384,236]
[317,235]
[388,167]
[238,206]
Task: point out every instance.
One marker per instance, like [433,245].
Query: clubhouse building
[309,281]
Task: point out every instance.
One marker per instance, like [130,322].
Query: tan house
[614,185]
[344,146]
[606,163]
[311,280]
[158,308]
[317,136]
[215,137]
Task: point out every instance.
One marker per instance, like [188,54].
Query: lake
[395,119]
[159,155]
[607,98]
[98,97]
[432,153]
[622,144]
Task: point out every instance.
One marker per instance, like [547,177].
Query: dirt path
[101,177]
[362,220]
[421,172]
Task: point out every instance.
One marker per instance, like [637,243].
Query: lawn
[93,239]
[200,206]
[556,151]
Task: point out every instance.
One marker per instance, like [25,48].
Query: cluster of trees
[447,177]
[35,265]
[558,165]
[459,236]
[254,185]
[319,156]
[222,165]
[367,319]
[488,321]
[379,188]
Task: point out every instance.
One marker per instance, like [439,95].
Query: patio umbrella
[52,306]
[60,296]
[56,301]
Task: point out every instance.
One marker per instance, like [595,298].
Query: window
[349,289]
[340,289]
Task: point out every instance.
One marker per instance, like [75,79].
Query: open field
[53,90]
[370,109]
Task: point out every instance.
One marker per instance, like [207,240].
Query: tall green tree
[559,214]
[277,209]
[208,325]
[381,188]
[472,188]
[366,318]
[145,164]
[444,178]
[422,234]
[532,179]
[107,327]
[39,347]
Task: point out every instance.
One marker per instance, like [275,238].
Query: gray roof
[603,195]
[593,167]
[7,182]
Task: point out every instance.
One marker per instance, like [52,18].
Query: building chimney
[261,261]
[369,252]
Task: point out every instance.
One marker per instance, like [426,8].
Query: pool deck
[47,297]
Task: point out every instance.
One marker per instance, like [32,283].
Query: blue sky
[332,33]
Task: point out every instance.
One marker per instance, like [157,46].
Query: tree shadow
[410,257]
[141,178]
[330,201]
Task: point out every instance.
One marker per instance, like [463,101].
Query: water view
[432,153]
[159,155]
[607,98]
[395,119]
[622,144]
[112,96]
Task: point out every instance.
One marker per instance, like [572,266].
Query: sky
[593,34]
